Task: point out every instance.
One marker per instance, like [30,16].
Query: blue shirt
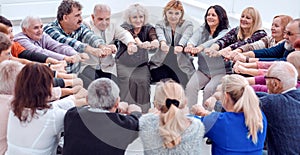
[228,133]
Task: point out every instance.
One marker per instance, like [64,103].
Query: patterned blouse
[231,40]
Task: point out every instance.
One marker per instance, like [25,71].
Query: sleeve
[209,122]
[187,33]
[196,37]
[25,42]
[211,41]
[58,47]
[159,28]
[59,115]
[33,56]
[260,44]
[228,38]
[123,35]
[90,38]
[255,37]
[54,33]
[273,52]
[65,103]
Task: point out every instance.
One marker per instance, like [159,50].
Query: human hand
[209,104]
[199,110]
[51,61]
[178,49]
[132,107]
[211,52]
[188,48]
[154,44]
[113,48]
[239,57]
[131,48]
[123,107]
[197,50]
[60,67]
[84,56]
[164,47]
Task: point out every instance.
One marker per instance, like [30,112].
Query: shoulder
[148,121]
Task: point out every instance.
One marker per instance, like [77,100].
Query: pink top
[4,111]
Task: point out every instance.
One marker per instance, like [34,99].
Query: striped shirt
[78,39]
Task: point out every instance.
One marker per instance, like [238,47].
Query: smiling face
[173,16]
[246,21]
[277,29]
[34,29]
[101,19]
[212,18]
[137,20]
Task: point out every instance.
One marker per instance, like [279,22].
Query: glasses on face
[271,77]
[289,33]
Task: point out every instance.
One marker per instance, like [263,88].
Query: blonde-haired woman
[249,31]
[169,130]
[242,128]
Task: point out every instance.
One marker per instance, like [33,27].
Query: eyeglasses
[289,33]
[270,77]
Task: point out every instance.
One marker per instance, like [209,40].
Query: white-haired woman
[132,67]
[242,128]
[167,130]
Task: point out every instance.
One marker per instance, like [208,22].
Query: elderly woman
[167,129]
[132,67]
[173,33]
[210,69]
[32,118]
[8,74]
[249,31]
[242,128]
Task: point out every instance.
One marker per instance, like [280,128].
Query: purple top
[260,84]
[45,45]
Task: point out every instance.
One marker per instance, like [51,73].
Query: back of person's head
[297,45]
[245,99]
[8,75]
[66,7]
[256,19]
[173,4]
[5,21]
[136,9]
[294,58]
[222,16]
[103,94]
[101,8]
[32,91]
[5,42]
[285,72]
[170,99]
[25,23]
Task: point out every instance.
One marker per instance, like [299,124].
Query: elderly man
[33,39]
[278,52]
[68,29]
[281,108]
[99,22]
[99,128]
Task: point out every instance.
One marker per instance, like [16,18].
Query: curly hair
[66,7]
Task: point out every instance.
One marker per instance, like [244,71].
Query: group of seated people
[84,84]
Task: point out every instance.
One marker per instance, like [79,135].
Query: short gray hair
[26,21]
[103,94]
[133,9]
[101,7]
[8,74]
[284,71]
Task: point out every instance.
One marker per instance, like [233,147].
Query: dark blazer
[274,53]
[283,115]
[96,133]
